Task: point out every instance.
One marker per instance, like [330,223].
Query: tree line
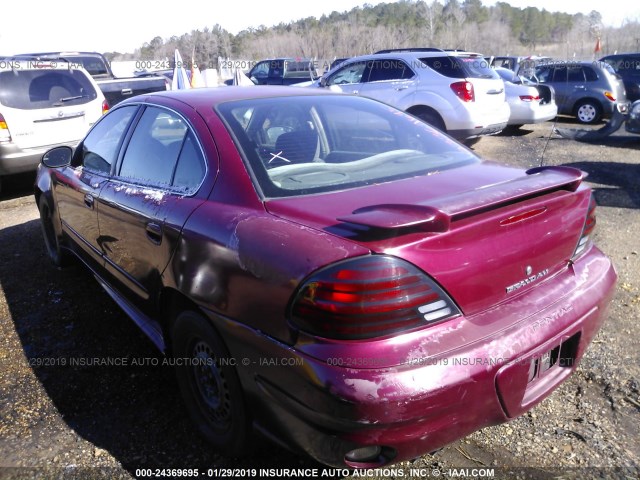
[469,25]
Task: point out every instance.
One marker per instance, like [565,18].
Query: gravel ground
[94,421]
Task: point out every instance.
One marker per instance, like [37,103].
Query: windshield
[312,144]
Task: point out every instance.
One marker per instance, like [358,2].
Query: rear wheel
[209,383]
[588,111]
[58,256]
[432,118]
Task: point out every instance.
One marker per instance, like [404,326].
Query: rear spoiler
[438,214]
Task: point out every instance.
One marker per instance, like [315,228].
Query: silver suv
[454,91]
[586,90]
[43,104]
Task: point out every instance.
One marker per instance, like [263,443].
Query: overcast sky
[124,25]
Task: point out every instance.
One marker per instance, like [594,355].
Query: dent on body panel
[246,265]
[278,251]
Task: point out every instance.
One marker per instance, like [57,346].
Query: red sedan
[328,269]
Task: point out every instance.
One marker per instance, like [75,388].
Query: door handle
[401,87]
[355,92]
[88,200]
[154,233]
[126,91]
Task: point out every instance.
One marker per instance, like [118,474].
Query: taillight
[589,226]
[5,135]
[464,91]
[610,96]
[369,297]
[530,98]
[105,107]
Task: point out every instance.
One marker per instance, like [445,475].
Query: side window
[154,147]
[351,73]
[560,74]
[544,74]
[446,66]
[191,167]
[385,70]
[590,74]
[277,68]
[575,74]
[261,70]
[100,148]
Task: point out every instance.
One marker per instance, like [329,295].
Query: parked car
[524,66]
[529,103]
[454,91]
[586,90]
[627,66]
[167,74]
[43,104]
[349,280]
[281,71]
[115,89]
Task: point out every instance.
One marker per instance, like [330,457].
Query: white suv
[454,91]
[43,104]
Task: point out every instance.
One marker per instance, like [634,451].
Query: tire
[212,392]
[58,256]
[432,118]
[588,111]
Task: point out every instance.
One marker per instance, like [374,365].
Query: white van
[43,104]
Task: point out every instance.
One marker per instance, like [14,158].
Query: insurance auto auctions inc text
[361,473]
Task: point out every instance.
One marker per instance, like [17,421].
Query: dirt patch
[84,419]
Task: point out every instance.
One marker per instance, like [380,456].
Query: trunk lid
[484,232]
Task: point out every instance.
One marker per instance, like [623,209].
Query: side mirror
[323,81]
[57,157]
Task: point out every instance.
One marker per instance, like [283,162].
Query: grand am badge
[530,279]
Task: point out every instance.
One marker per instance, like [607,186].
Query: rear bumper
[411,395]
[471,121]
[530,112]
[14,159]
[469,133]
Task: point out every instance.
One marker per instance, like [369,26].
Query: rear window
[35,89]
[461,66]
[590,74]
[312,144]
[94,65]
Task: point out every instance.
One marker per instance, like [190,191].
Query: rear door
[46,103]
[556,76]
[78,187]
[144,206]
[577,85]
[387,80]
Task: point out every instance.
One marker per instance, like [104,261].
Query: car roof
[417,53]
[408,55]
[618,55]
[60,53]
[30,63]
[286,59]
[208,97]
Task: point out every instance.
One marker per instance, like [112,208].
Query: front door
[80,186]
